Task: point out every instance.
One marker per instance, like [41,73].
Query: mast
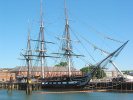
[109,58]
[28,61]
[67,44]
[27,56]
[42,43]
[42,49]
[29,52]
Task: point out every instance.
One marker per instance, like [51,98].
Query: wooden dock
[113,86]
[19,86]
[122,86]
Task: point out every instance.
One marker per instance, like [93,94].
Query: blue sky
[112,18]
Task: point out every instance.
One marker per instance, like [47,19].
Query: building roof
[5,69]
[47,69]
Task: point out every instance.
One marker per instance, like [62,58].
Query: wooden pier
[19,86]
[113,86]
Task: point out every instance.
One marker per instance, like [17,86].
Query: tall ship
[68,81]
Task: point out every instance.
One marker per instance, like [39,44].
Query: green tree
[126,72]
[99,72]
[62,64]
[86,69]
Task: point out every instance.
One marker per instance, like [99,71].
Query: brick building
[48,71]
[5,75]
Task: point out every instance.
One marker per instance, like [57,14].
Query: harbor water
[49,95]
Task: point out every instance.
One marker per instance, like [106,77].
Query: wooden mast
[42,49]
[68,48]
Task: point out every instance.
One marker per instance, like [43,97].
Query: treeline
[100,73]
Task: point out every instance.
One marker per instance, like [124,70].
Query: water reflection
[9,92]
[37,95]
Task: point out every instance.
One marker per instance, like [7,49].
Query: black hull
[57,86]
[72,83]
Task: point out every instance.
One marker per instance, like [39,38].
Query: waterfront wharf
[19,86]
[114,86]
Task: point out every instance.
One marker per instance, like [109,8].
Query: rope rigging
[83,45]
[94,46]
[103,35]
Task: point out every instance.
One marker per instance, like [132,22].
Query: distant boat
[68,81]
